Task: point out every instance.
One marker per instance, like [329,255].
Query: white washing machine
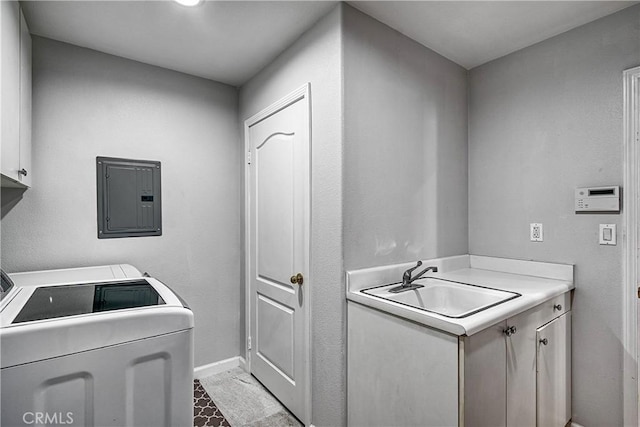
[98,346]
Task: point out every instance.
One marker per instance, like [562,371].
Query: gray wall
[405,150]
[88,104]
[543,121]
[316,58]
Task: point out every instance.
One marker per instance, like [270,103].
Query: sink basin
[445,297]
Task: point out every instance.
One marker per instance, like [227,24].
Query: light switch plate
[607,234]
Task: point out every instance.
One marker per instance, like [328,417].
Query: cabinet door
[522,345]
[399,373]
[25,103]
[10,16]
[484,376]
[521,369]
[554,372]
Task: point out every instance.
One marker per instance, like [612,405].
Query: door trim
[302,93]
[631,217]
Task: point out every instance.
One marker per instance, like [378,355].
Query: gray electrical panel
[129,203]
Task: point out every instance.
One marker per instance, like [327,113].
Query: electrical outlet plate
[535,232]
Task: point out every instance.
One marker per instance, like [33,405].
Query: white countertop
[534,290]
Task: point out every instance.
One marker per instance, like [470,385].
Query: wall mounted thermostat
[598,199]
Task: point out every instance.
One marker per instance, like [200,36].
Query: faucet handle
[406,276]
[413,268]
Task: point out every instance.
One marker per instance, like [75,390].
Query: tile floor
[245,402]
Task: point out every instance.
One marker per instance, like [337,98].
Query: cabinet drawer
[553,308]
[542,314]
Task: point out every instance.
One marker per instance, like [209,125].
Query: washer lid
[51,302]
[80,274]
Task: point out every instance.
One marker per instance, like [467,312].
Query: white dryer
[99,346]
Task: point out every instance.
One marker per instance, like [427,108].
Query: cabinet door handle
[544,341]
[557,307]
[22,171]
[511,330]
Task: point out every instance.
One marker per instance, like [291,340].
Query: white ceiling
[471,33]
[230,41]
[226,41]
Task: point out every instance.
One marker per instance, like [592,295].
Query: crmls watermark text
[47,418]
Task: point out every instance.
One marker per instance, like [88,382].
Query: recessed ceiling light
[188,2]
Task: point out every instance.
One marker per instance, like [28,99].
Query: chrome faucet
[407,280]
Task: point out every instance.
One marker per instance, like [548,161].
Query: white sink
[444,297]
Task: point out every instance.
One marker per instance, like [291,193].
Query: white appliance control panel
[598,199]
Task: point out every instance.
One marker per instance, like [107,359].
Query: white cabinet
[25,174]
[10,15]
[553,377]
[483,379]
[522,381]
[16,97]
[399,373]
[403,373]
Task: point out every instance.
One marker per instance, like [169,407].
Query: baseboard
[575,424]
[217,367]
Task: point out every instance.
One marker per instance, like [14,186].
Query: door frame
[631,270]
[302,93]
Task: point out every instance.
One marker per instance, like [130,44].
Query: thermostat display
[598,199]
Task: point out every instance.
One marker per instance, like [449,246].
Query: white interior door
[278,256]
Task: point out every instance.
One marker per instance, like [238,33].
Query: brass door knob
[297,279]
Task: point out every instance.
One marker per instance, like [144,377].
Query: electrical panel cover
[129,199]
